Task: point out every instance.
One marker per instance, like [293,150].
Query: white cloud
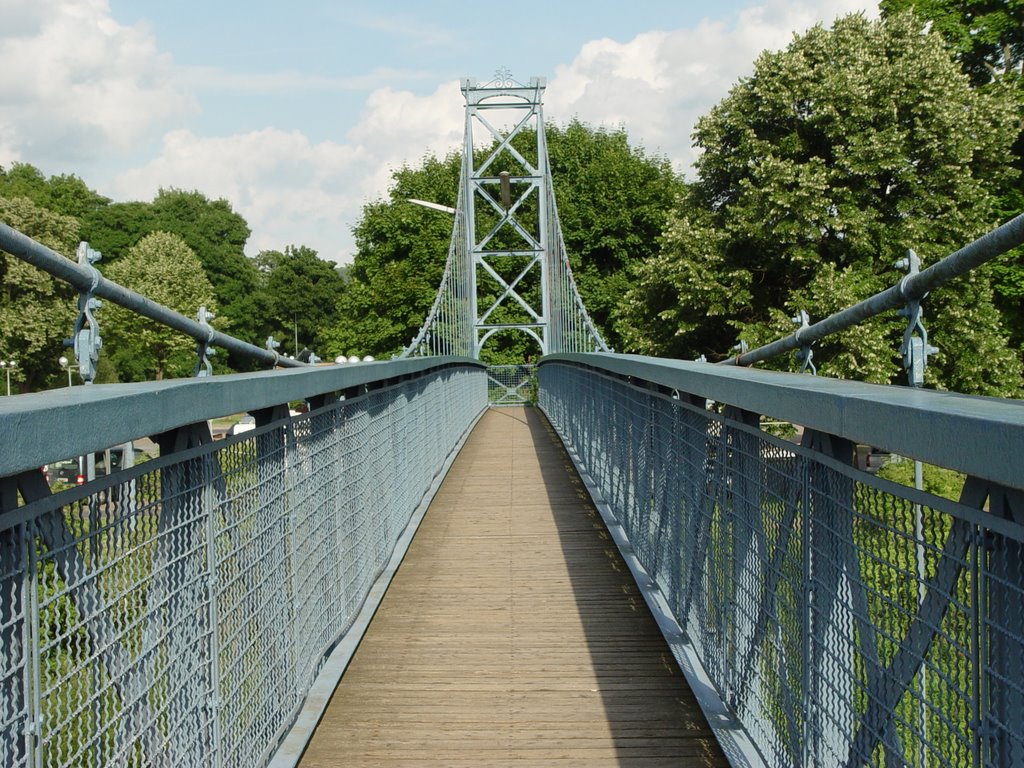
[293,191]
[657,84]
[75,83]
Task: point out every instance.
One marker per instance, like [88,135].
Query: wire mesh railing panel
[845,620]
[176,613]
[122,632]
[1000,576]
[511,384]
[255,610]
[14,646]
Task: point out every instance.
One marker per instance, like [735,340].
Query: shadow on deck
[513,633]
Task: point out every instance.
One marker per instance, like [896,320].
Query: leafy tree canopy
[163,268]
[400,255]
[66,195]
[987,38]
[214,232]
[817,173]
[36,311]
[987,35]
[301,293]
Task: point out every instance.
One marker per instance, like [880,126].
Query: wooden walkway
[513,633]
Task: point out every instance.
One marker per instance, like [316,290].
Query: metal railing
[176,613]
[794,578]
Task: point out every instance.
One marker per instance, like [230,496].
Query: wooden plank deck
[513,633]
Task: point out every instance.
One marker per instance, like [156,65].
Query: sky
[297,113]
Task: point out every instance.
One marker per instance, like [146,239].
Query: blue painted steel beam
[980,436]
[44,427]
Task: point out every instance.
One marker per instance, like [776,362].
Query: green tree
[987,38]
[214,232]
[301,294]
[400,255]
[36,311]
[115,228]
[66,195]
[613,203]
[986,35]
[217,235]
[164,269]
[817,173]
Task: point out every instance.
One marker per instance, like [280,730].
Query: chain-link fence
[845,620]
[176,613]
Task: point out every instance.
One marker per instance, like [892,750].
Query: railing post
[828,500]
[745,527]
[272,460]
[210,505]
[19,631]
[1002,634]
[182,526]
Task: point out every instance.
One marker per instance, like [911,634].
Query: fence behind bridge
[843,620]
[176,613]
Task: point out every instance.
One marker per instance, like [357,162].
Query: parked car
[65,471]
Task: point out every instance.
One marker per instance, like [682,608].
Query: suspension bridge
[424,568]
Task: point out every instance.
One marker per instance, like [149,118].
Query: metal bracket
[915,349]
[272,345]
[804,355]
[741,349]
[85,337]
[203,350]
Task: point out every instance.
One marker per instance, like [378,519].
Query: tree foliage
[614,202]
[400,255]
[301,293]
[164,269]
[817,173]
[986,35]
[987,38]
[36,311]
[64,194]
[211,228]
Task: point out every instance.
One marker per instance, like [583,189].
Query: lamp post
[7,366]
[64,363]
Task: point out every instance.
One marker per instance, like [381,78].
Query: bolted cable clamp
[804,355]
[915,348]
[203,351]
[85,337]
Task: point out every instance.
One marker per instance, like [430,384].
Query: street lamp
[64,364]
[432,206]
[8,366]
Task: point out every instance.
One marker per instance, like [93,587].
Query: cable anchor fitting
[85,336]
[741,349]
[203,350]
[915,348]
[804,355]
